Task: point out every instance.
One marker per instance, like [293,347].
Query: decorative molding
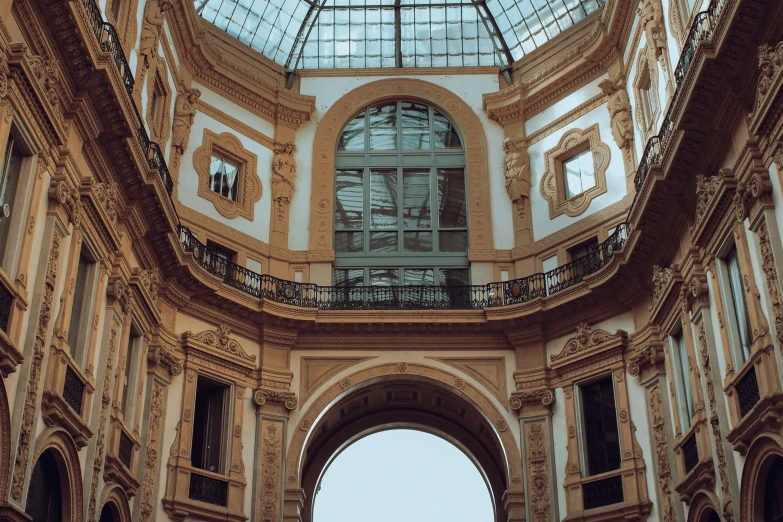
[271,468]
[537,471]
[646,70]
[569,117]
[771,275]
[661,451]
[220,340]
[249,191]
[520,398]
[159,129]
[553,183]
[287,399]
[314,371]
[586,339]
[489,371]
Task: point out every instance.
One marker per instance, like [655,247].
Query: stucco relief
[651,19]
[283,177]
[249,192]
[552,185]
[517,174]
[184,114]
[328,131]
[619,107]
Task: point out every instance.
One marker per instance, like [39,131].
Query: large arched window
[400,199]
[44,496]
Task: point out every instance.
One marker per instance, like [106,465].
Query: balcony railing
[604,492]
[412,297]
[474,297]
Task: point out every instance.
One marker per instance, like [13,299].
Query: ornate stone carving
[770,66]
[649,353]
[151,25]
[771,275]
[150,279]
[585,338]
[160,355]
[541,396]
[517,174]
[619,107]
[34,378]
[283,177]
[184,115]
[661,450]
[70,199]
[706,187]
[660,278]
[109,196]
[287,399]
[537,473]
[270,482]
[153,436]
[651,19]
[4,73]
[219,339]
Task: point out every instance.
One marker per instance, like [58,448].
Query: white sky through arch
[402,476]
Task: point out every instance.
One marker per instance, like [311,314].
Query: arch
[758,461]
[704,507]
[5,443]
[482,432]
[454,107]
[66,456]
[115,500]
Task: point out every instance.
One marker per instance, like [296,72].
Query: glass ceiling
[334,34]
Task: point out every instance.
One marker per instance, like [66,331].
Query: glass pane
[415,115]
[602,442]
[741,315]
[383,199]
[452,211]
[417,241]
[685,378]
[215,173]
[231,181]
[78,303]
[349,199]
[454,277]
[384,242]
[348,276]
[383,127]
[446,136]
[416,199]
[417,276]
[352,137]
[456,241]
[349,241]
[578,173]
[415,139]
[383,277]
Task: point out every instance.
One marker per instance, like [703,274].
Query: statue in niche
[619,112]
[517,174]
[184,114]
[651,15]
[283,175]
[150,29]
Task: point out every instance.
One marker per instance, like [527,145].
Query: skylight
[338,34]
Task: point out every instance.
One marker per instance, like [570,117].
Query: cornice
[234,70]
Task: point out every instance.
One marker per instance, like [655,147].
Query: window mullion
[434,208]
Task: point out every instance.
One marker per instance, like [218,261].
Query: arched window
[44,497]
[109,513]
[773,493]
[400,197]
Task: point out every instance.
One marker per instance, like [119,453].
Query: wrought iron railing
[472,297]
[73,390]
[208,489]
[6,302]
[412,297]
[747,389]
[604,492]
[690,453]
[125,449]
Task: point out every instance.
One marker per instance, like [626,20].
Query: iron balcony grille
[473,297]
[125,450]
[6,301]
[690,453]
[748,392]
[604,492]
[208,489]
[73,390]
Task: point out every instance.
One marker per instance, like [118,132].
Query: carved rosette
[262,397]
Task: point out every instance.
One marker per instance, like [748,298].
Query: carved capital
[522,398]
[287,399]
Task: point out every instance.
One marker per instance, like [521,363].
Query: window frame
[228,406]
[581,424]
[81,351]
[684,413]
[729,306]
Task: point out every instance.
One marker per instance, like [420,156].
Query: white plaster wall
[188,179]
[173,413]
[615,174]
[329,90]
[573,100]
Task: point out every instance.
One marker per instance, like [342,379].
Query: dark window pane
[602,442]
[44,496]
[78,302]
[446,136]
[383,199]
[207,449]
[416,276]
[417,241]
[456,241]
[416,199]
[349,199]
[452,211]
[348,277]
[454,277]
[773,492]
[349,241]
[352,137]
[384,242]
[384,277]
[9,178]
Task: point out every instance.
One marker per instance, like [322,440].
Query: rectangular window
[210,425]
[9,180]
[156,104]
[579,173]
[740,316]
[131,375]
[116,10]
[599,425]
[80,301]
[224,177]
[684,377]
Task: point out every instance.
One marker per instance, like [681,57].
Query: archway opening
[403,474]
[110,513]
[773,492]
[44,496]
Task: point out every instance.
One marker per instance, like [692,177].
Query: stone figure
[283,173]
[619,112]
[517,172]
[651,15]
[184,113]
[150,28]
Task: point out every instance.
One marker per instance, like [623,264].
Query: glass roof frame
[333,34]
